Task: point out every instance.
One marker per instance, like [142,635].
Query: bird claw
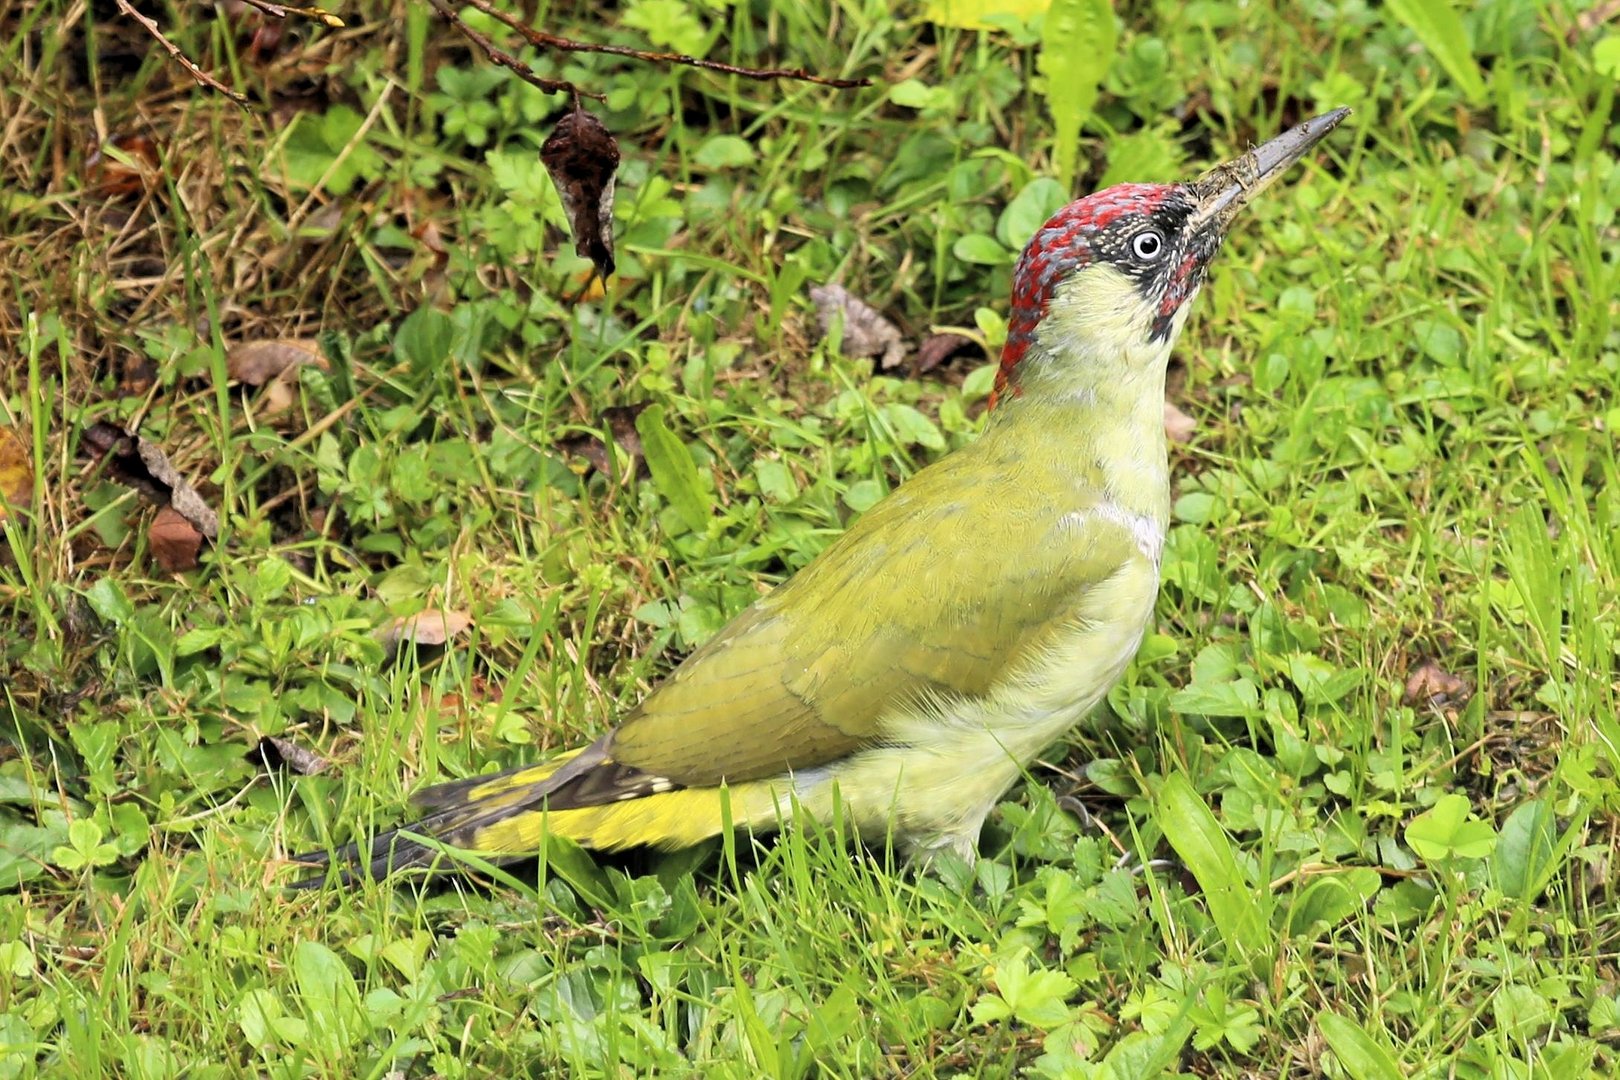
[1128,860]
[1078,809]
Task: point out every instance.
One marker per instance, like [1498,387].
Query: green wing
[936,590]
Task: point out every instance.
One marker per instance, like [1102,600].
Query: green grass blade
[1360,1054]
[1438,26]
[1204,846]
[674,472]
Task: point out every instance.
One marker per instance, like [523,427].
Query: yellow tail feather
[503,816]
[671,820]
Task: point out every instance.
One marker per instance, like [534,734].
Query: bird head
[1103,288]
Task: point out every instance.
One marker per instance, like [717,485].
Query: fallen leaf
[266,40]
[620,422]
[136,375]
[423,628]
[453,705]
[144,467]
[1178,426]
[257,362]
[866,331]
[16,472]
[429,236]
[938,348]
[275,753]
[1431,684]
[581,156]
[174,541]
[123,165]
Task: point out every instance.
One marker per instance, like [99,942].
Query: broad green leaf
[668,24]
[16,959]
[108,601]
[423,339]
[1077,48]
[324,982]
[1236,698]
[776,481]
[1033,997]
[1145,1055]
[24,848]
[1437,25]
[1444,832]
[1524,855]
[982,14]
[725,152]
[915,94]
[981,249]
[1606,56]
[912,428]
[567,860]
[256,1014]
[674,473]
[1521,1011]
[1201,843]
[1572,1061]
[1359,1053]
[1029,210]
[1332,898]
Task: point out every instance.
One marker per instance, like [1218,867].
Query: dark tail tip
[373,860]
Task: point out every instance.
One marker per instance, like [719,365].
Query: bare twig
[1591,19]
[507,60]
[281,11]
[543,40]
[181,58]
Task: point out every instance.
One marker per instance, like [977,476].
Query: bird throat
[1099,409]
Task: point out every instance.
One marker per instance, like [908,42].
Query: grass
[1375,725]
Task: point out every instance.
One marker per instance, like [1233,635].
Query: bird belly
[945,762]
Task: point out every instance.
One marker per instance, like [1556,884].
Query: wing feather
[805,676]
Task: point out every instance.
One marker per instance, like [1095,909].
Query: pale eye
[1147,246]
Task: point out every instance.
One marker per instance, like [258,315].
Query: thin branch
[507,60]
[281,11]
[181,58]
[542,40]
[1591,19]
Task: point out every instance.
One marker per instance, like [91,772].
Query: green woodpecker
[961,625]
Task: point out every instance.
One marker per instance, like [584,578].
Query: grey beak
[1226,189]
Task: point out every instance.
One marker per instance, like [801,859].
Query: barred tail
[583,795]
[459,811]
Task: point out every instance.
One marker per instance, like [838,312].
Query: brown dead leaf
[582,157]
[275,753]
[620,422]
[1431,684]
[866,331]
[274,365]
[136,375]
[1591,19]
[423,628]
[1178,426]
[938,348]
[257,362]
[174,541]
[16,472]
[431,237]
[124,165]
[452,705]
[144,467]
